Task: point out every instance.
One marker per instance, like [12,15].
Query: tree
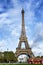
[9,56]
[1,57]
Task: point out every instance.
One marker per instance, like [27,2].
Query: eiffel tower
[23,38]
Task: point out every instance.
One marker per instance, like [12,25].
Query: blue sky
[10,24]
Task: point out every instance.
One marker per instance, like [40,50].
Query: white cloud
[9,44]
[30,43]
[37,42]
[15,33]
[2,43]
[39,28]
[37,50]
[37,47]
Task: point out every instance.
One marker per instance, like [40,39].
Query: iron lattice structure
[23,38]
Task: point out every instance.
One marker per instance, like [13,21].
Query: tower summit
[22,39]
[23,33]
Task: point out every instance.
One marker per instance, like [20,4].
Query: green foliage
[9,57]
[1,57]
